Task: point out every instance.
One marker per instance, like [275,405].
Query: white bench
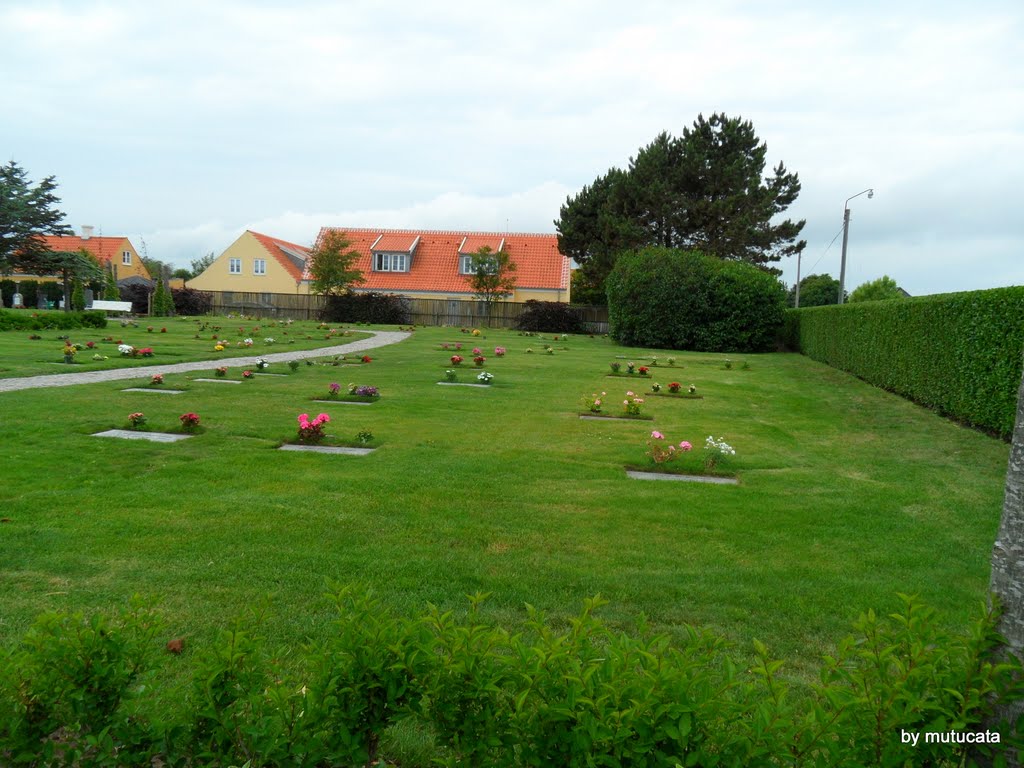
[112,306]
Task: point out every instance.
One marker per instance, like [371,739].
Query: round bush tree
[659,297]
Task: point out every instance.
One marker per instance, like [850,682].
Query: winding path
[379,339]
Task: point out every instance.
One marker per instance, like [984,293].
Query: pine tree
[706,190]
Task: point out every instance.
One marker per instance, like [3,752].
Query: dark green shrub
[77,295]
[138,295]
[959,354]
[29,293]
[658,297]
[23,320]
[379,308]
[62,692]
[188,301]
[6,292]
[549,317]
[583,696]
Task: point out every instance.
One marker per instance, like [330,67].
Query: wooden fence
[445,312]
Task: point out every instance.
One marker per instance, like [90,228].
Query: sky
[182,124]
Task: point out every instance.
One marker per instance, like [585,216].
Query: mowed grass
[848,496]
[173,340]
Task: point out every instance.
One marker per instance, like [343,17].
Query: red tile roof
[435,262]
[289,255]
[104,248]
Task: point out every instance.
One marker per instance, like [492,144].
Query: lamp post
[846,232]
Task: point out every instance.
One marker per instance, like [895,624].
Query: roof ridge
[402,231]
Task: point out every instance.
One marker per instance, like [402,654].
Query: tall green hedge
[672,299]
[960,354]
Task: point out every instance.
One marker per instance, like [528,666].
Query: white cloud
[191,121]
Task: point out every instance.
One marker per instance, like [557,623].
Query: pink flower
[685,446]
[303,417]
[657,435]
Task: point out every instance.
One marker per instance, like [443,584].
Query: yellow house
[256,263]
[116,251]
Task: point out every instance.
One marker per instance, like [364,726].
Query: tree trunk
[1007,582]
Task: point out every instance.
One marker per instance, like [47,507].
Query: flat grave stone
[220,381]
[155,437]
[158,391]
[270,374]
[343,402]
[327,449]
[682,478]
[462,384]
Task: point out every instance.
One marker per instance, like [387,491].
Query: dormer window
[390,262]
[472,245]
[393,252]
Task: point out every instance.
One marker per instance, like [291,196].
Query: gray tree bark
[1007,582]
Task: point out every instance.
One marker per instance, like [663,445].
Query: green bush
[959,354]
[663,298]
[23,320]
[190,302]
[587,695]
[382,308]
[550,317]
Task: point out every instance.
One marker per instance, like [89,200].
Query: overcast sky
[182,124]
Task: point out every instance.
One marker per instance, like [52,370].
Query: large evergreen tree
[706,190]
[27,213]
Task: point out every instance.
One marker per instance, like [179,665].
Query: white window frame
[234,266]
[466,264]
[259,266]
[126,258]
[391,262]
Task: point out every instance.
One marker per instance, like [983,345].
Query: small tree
[333,264]
[491,276]
[163,304]
[876,290]
[77,294]
[200,265]
[815,291]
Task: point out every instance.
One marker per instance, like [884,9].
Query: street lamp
[846,232]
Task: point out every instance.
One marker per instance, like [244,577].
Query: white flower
[125,349]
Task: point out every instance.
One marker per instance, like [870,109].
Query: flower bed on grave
[715,462]
[598,407]
[355,393]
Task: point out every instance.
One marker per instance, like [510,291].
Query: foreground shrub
[583,696]
[549,317]
[959,353]
[381,308]
[659,297]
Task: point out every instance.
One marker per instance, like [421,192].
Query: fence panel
[443,312]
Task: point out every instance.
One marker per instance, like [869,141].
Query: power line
[811,270]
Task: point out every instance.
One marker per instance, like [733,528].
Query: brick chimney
[87,231]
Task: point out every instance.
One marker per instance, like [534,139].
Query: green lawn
[848,495]
[173,340]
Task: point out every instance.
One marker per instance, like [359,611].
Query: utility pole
[846,234]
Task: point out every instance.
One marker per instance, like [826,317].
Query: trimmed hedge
[960,354]
[664,298]
[24,320]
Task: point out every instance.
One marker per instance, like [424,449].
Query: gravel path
[379,339]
